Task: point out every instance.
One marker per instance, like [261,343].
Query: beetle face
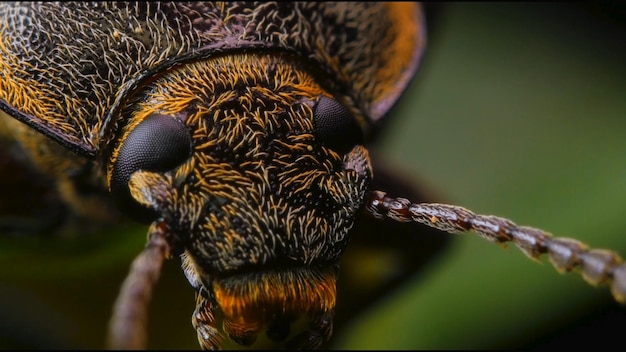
[253,168]
[235,128]
[188,155]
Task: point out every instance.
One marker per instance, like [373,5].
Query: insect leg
[203,321]
[598,266]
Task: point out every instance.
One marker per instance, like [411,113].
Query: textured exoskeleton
[237,131]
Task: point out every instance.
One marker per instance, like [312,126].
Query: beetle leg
[203,321]
[320,332]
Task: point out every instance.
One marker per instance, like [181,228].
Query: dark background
[518,111]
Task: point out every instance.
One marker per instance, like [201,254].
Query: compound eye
[335,126]
[159,143]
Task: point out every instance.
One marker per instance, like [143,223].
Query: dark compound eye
[335,126]
[159,144]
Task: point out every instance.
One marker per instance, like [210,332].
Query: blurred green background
[518,111]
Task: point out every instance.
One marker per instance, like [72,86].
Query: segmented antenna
[598,266]
[127,328]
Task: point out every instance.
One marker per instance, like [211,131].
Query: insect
[157,231]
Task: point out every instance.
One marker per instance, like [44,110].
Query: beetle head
[254,168]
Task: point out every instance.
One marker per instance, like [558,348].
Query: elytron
[237,131]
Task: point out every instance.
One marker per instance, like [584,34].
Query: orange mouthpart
[250,301]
